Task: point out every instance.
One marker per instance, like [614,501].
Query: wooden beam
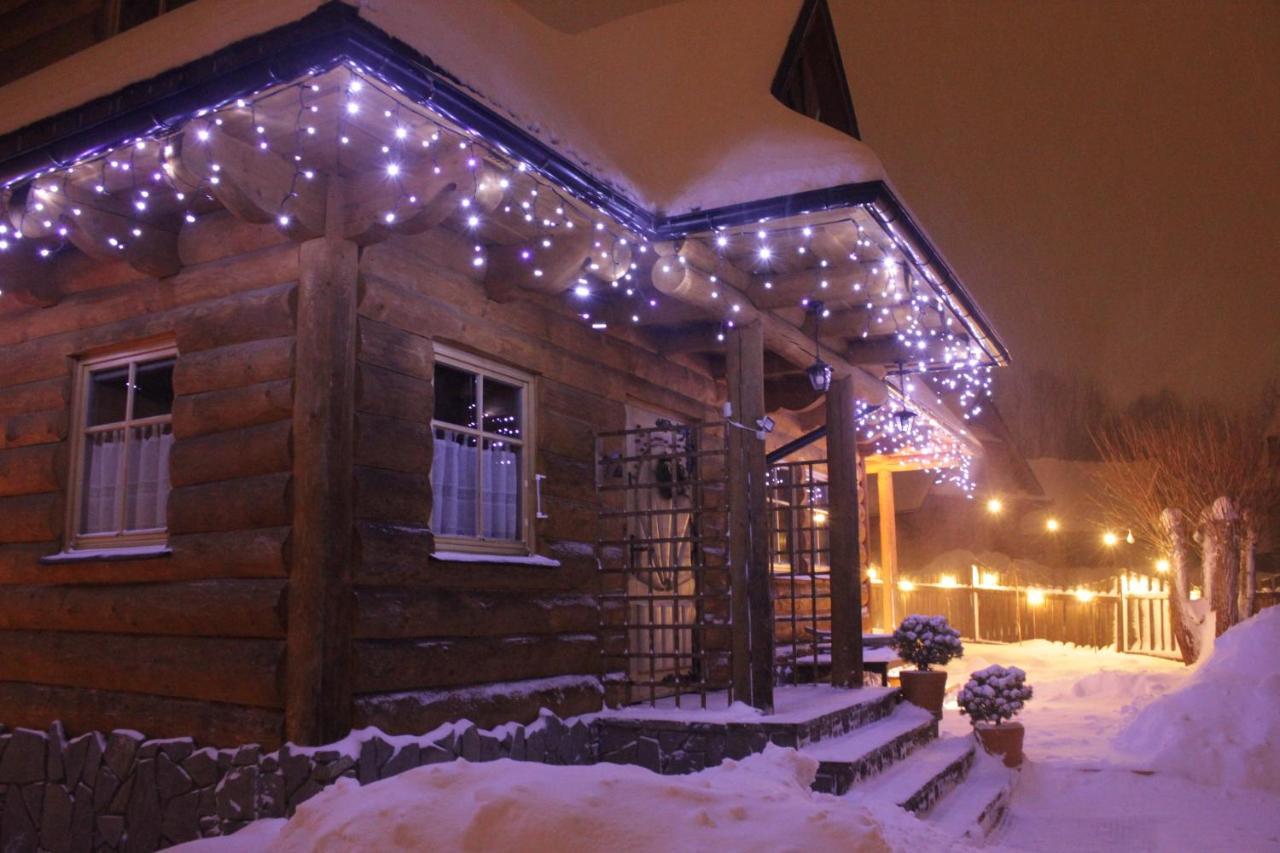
[680,276]
[550,264]
[318,677]
[788,290]
[749,523]
[416,199]
[256,185]
[888,547]
[843,526]
[107,228]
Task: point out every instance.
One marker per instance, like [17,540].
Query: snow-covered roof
[671,106]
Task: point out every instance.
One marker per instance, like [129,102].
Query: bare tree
[1191,481]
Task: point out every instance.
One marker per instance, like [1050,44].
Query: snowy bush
[922,640]
[994,694]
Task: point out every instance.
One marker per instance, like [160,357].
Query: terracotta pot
[925,689]
[1003,739]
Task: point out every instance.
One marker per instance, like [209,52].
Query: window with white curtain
[124,431]
[479,466]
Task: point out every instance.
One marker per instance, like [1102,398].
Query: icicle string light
[877,271]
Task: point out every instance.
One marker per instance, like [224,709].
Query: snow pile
[1223,726]
[762,803]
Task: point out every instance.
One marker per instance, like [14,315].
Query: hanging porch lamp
[819,372]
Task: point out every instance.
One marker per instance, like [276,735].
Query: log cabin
[390,363]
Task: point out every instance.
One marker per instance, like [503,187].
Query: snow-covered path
[1083,697]
[1080,789]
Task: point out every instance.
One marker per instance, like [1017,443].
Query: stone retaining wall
[123,792]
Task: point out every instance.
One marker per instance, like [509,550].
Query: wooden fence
[1129,613]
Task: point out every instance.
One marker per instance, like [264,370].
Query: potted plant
[991,698]
[925,640]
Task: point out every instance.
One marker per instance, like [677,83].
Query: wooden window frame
[85,367]
[484,367]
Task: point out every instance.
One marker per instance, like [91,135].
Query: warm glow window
[480,461]
[124,431]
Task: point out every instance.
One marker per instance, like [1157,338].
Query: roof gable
[810,77]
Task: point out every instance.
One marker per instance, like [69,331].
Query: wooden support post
[888,547]
[749,527]
[846,563]
[318,679]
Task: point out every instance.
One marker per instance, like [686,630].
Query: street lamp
[995,506]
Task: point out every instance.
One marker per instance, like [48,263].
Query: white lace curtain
[147,490]
[453,480]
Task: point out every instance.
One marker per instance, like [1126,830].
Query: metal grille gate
[662,552]
[800,567]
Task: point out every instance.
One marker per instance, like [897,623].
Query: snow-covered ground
[1133,753]
[760,804]
[1083,697]
[1124,753]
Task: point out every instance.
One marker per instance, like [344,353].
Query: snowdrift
[762,803]
[1223,726]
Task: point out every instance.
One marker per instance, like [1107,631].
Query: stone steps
[974,809]
[923,778]
[867,750]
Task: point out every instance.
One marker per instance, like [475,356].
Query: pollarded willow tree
[1196,483]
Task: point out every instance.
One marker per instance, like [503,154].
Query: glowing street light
[947,580]
[1162,566]
[1052,525]
[1110,539]
[995,506]
[1035,597]
[906,586]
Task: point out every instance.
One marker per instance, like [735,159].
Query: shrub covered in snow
[923,640]
[994,694]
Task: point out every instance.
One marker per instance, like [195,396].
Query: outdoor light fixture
[1162,566]
[1052,525]
[1110,539]
[906,586]
[819,372]
[995,506]
[947,580]
[904,415]
[1035,597]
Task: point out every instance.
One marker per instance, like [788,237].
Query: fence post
[973,600]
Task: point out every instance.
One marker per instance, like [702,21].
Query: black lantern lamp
[819,372]
[904,415]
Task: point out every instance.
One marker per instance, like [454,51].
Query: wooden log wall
[185,644]
[427,628]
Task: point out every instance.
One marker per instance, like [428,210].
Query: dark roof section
[334,34]
[811,78]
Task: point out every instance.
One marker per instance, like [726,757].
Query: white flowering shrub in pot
[991,699]
[924,641]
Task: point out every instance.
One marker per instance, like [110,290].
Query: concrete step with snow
[976,807]
[922,778]
[869,749]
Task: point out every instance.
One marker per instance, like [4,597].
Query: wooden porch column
[843,529]
[318,646]
[888,547]
[749,522]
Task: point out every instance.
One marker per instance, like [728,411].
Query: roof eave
[334,34]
